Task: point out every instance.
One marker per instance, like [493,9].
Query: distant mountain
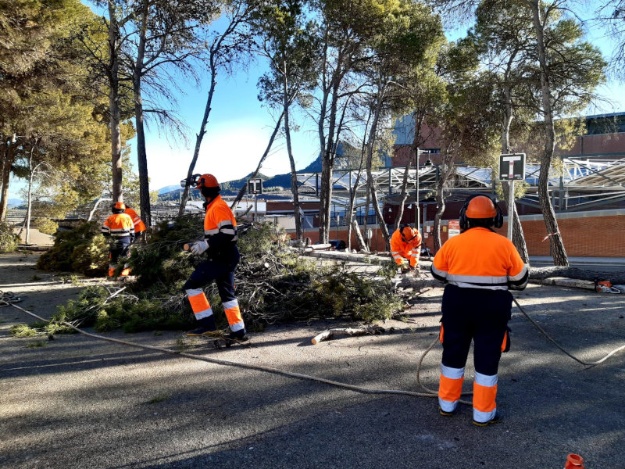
[231,188]
[15,203]
[166,189]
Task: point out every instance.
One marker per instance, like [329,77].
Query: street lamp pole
[416,214]
[416,195]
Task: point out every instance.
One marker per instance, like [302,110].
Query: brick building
[589,198]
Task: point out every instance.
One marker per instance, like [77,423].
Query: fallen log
[319,247]
[418,282]
[569,282]
[542,273]
[348,331]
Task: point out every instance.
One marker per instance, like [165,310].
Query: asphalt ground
[82,402]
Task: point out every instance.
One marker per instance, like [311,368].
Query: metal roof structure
[581,185]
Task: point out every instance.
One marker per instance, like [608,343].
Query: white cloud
[230,151]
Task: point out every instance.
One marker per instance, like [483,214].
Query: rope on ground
[9,299]
[234,364]
[423,386]
[587,364]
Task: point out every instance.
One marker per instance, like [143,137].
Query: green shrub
[46,226]
[132,313]
[8,239]
[82,250]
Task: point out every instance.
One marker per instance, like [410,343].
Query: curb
[32,247]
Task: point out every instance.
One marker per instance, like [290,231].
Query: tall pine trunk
[142,157]
[200,135]
[286,101]
[114,103]
[7,162]
[558,253]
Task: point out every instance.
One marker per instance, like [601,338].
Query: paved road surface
[79,402]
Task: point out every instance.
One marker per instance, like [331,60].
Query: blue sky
[239,129]
[237,135]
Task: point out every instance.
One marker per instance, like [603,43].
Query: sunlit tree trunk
[555,238]
[518,237]
[7,161]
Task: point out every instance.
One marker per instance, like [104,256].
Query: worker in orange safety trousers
[120,228]
[479,267]
[222,256]
[138,223]
[406,245]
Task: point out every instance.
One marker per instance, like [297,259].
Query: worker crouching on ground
[479,266]
[220,246]
[406,246]
[119,227]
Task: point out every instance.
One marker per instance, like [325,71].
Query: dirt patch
[35,238]
[40,292]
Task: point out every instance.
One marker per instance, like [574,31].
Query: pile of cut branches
[82,250]
[273,284]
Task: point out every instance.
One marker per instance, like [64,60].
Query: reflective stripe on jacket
[401,249]
[480,258]
[118,225]
[220,228]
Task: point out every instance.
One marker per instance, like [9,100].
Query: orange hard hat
[119,206]
[207,180]
[481,207]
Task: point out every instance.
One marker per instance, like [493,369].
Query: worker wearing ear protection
[406,245]
[222,256]
[479,267]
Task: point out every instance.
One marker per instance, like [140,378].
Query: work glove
[198,247]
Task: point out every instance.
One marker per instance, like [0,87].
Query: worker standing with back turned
[479,267]
[120,229]
[222,257]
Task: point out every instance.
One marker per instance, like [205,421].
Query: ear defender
[480,206]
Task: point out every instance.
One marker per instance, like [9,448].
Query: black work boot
[206,326]
[239,336]
[496,419]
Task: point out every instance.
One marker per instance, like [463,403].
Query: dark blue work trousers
[119,248]
[479,315]
[222,273]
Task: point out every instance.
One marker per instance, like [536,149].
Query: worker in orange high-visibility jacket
[479,267]
[138,223]
[222,256]
[406,245]
[120,228]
